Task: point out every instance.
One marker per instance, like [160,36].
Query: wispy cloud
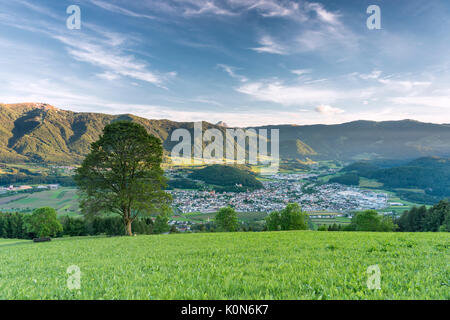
[279,93]
[117,9]
[269,45]
[112,60]
[232,73]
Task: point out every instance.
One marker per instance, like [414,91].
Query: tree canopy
[43,222]
[290,218]
[370,220]
[226,219]
[122,174]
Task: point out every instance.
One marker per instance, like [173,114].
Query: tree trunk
[128,227]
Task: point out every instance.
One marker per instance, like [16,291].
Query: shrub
[43,222]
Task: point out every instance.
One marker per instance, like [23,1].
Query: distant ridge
[39,132]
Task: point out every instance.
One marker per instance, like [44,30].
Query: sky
[244,62]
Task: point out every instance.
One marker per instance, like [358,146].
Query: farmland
[265,265]
[64,200]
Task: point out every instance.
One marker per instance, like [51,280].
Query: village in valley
[277,192]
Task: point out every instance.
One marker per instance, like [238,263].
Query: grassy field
[64,200]
[266,265]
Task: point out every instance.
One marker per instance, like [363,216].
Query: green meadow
[264,265]
[64,200]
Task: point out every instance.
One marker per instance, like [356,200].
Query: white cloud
[112,60]
[232,73]
[288,95]
[108,76]
[301,72]
[323,14]
[428,101]
[117,9]
[404,85]
[375,74]
[328,110]
[268,45]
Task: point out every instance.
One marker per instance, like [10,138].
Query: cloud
[288,95]
[112,60]
[428,101]
[328,110]
[404,85]
[108,76]
[232,73]
[268,45]
[301,72]
[207,7]
[117,9]
[267,8]
[375,74]
[323,14]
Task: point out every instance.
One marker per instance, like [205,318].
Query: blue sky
[245,62]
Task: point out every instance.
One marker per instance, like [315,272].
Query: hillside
[226,176]
[35,132]
[431,174]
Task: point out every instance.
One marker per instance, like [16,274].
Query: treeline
[368,220]
[421,219]
[14,226]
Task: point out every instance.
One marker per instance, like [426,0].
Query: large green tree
[43,222]
[290,218]
[370,220]
[226,219]
[122,174]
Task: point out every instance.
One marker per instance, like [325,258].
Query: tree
[434,219]
[290,218]
[122,174]
[161,224]
[226,219]
[370,220]
[43,222]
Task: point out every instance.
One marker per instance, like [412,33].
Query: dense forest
[431,174]
[436,218]
[227,177]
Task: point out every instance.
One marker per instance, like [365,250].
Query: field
[266,265]
[64,200]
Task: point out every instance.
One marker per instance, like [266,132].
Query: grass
[266,265]
[369,183]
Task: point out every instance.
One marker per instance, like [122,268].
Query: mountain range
[38,132]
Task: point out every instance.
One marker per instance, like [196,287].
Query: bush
[43,222]
[226,220]
[161,224]
[290,218]
[370,220]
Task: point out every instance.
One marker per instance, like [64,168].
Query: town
[279,190]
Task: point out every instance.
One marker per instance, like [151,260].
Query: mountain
[363,140]
[42,133]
